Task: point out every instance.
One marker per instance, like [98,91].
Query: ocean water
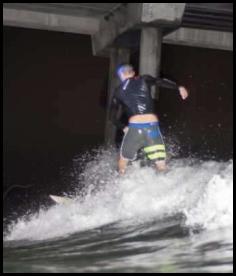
[179,221]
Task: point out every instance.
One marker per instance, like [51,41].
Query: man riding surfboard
[143,128]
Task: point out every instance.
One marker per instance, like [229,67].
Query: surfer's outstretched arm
[166,83]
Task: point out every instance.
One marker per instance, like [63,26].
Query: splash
[202,191]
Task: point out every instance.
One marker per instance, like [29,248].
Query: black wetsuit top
[134,94]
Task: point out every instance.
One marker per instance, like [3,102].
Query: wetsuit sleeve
[113,113]
[161,82]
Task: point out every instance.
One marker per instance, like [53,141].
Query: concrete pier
[150,53]
[117,56]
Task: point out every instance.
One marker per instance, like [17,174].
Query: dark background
[204,124]
[54,106]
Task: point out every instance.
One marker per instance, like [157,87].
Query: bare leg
[161,165]
[122,163]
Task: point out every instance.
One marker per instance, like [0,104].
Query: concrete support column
[150,53]
[117,56]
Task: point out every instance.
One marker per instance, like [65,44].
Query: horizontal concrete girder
[135,15]
[166,13]
[201,38]
[50,21]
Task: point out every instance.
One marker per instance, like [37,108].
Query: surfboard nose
[61,199]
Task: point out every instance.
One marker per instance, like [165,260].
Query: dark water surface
[159,247]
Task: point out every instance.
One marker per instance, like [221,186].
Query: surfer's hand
[125,130]
[183,92]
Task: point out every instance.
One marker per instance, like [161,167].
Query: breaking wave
[202,191]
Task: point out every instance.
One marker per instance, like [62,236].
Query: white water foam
[203,191]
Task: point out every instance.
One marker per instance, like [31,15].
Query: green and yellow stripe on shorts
[156,152]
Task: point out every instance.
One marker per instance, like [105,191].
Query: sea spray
[200,190]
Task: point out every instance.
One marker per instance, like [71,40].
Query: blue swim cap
[123,67]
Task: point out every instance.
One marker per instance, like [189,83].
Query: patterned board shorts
[146,136]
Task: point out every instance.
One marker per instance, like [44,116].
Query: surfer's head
[125,71]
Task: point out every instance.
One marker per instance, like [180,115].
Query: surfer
[134,94]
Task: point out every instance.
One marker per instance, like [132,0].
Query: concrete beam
[50,21]
[135,15]
[163,13]
[201,38]
[122,20]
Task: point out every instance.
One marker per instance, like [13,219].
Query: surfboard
[61,199]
